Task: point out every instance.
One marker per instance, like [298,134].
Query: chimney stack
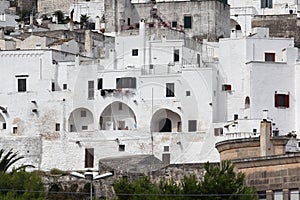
[266,146]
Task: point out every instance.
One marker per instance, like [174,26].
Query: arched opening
[2,122]
[247,102]
[235,27]
[165,125]
[165,120]
[81,119]
[117,116]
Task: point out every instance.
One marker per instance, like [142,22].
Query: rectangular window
[4,126]
[65,86]
[91,89]
[57,127]
[166,158]
[100,84]
[166,148]
[170,90]
[127,82]
[15,130]
[84,128]
[187,21]
[188,93]
[266,4]
[282,101]
[135,52]
[226,87]
[174,24]
[89,158]
[122,147]
[128,21]
[83,113]
[192,125]
[53,86]
[176,55]
[22,85]
[270,57]
[120,106]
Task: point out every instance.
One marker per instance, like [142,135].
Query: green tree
[84,21]
[8,159]
[60,16]
[222,182]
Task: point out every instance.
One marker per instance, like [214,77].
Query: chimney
[71,20]
[265,114]
[88,43]
[266,146]
[97,24]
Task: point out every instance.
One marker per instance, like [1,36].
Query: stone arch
[2,122]
[247,102]
[165,120]
[235,26]
[117,116]
[81,119]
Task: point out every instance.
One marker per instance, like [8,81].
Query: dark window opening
[238,27]
[270,57]
[188,93]
[100,84]
[275,132]
[187,22]
[89,158]
[218,131]
[166,148]
[84,128]
[4,126]
[166,158]
[83,113]
[192,125]
[176,55]
[226,87]
[135,52]
[170,90]
[57,127]
[174,24]
[53,86]
[122,147]
[22,85]
[120,106]
[235,117]
[127,82]
[282,100]
[15,130]
[128,21]
[65,86]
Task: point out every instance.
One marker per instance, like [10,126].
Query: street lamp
[90,176]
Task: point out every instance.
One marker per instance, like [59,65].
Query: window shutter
[287,101]
[276,100]
[270,4]
[262,3]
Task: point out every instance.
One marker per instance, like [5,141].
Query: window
[166,158]
[218,131]
[170,90]
[166,148]
[187,22]
[247,102]
[90,89]
[235,117]
[176,55]
[226,87]
[135,52]
[53,86]
[84,128]
[15,130]
[100,84]
[174,24]
[4,126]
[127,82]
[89,158]
[65,86]
[282,101]
[122,147]
[128,21]
[188,93]
[270,57]
[238,27]
[192,125]
[83,113]
[120,106]
[266,3]
[57,127]
[22,85]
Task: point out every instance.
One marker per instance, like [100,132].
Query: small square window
[282,101]
[174,24]
[122,147]
[22,85]
[84,128]
[188,93]
[15,130]
[135,52]
[57,127]
[166,148]
[192,125]
[65,86]
[270,57]
[83,113]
